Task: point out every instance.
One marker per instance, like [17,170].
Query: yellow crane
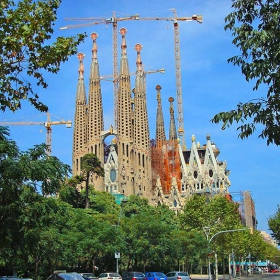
[114,21]
[47,125]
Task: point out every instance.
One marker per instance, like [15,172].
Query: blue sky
[210,85]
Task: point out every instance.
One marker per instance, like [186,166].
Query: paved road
[265,276]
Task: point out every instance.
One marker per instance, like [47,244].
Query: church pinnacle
[172,126]
[80,127]
[95,107]
[160,131]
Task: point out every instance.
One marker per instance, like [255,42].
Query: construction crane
[47,125]
[114,21]
[107,77]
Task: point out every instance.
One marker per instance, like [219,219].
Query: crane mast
[178,71]
[48,127]
[114,21]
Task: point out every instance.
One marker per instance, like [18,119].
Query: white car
[109,276]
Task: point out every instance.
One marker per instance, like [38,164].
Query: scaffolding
[166,164]
[246,208]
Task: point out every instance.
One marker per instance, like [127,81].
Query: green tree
[86,237]
[186,246]
[44,247]
[90,165]
[27,52]
[70,194]
[24,176]
[274,225]
[255,26]
[147,234]
[194,215]
[272,253]
[103,202]
[217,214]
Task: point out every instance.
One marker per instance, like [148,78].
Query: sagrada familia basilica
[160,170]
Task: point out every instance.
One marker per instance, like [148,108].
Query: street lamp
[117,253]
[207,233]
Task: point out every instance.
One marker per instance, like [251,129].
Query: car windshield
[183,274]
[160,274]
[139,274]
[114,275]
[71,276]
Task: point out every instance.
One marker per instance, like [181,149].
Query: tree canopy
[255,26]
[28,50]
[274,225]
[41,233]
[90,165]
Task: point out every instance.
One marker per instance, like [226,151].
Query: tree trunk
[229,267]
[87,186]
[216,266]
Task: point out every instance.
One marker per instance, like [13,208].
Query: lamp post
[117,256]
[207,232]
[117,253]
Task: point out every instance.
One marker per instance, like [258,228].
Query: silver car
[178,275]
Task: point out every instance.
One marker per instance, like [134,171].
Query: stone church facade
[159,170]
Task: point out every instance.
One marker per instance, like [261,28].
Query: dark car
[155,276]
[133,275]
[65,276]
[9,278]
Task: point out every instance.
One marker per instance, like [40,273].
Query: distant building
[246,208]
[268,239]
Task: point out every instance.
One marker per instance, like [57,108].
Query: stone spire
[124,124]
[172,126]
[141,129]
[95,113]
[80,127]
[160,131]
[95,109]
[124,95]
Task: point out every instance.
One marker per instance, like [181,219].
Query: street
[265,276]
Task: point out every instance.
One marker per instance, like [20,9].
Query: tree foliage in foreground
[90,165]
[41,234]
[255,26]
[24,211]
[26,53]
[274,225]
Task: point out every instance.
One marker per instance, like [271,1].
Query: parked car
[65,276]
[256,270]
[9,278]
[109,276]
[133,275]
[178,275]
[155,276]
[88,275]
